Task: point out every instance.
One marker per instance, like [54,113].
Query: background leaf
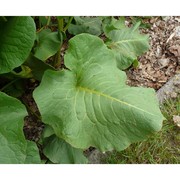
[14,149]
[37,66]
[48,43]
[110,23]
[17,36]
[90,104]
[90,25]
[58,151]
[127,44]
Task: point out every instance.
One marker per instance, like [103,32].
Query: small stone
[173,95]
[166,18]
[96,156]
[177,31]
[176,120]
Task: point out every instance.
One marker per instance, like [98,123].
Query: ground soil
[162,61]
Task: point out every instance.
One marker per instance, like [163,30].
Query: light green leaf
[47,132]
[48,43]
[127,44]
[32,152]
[58,151]
[14,149]
[17,36]
[90,104]
[110,23]
[90,25]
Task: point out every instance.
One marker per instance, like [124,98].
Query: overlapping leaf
[90,104]
[48,43]
[37,67]
[60,152]
[17,36]
[127,44]
[14,149]
[90,25]
[110,23]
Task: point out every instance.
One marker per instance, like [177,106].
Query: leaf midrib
[92,91]
[128,40]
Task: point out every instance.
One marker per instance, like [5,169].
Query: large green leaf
[90,25]
[127,44]
[90,104]
[14,149]
[60,152]
[48,43]
[17,36]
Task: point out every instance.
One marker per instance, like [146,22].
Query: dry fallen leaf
[175,50]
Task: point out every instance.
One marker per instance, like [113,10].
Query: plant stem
[58,59]
[30,109]
[69,22]
[60,24]
[58,54]
[48,21]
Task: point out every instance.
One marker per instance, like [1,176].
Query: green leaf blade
[90,25]
[48,44]
[17,38]
[14,149]
[127,44]
[91,104]
[60,152]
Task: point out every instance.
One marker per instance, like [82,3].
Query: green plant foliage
[86,104]
[25,72]
[17,36]
[110,23]
[37,67]
[141,20]
[14,148]
[127,44]
[43,20]
[14,88]
[90,25]
[90,104]
[48,43]
[58,151]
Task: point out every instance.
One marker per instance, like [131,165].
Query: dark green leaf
[17,36]
[37,67]
[43,20]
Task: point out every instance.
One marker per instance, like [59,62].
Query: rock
[176,120]
[96,156]
[166,18]
[177,31]
[170,89]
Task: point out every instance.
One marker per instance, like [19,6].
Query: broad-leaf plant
[82,95]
